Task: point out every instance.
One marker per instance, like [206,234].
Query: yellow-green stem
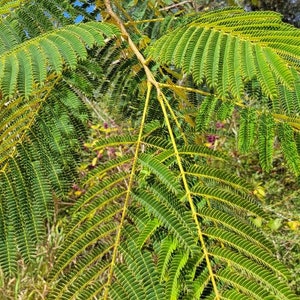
[161,98]
[127,198]
[189,196]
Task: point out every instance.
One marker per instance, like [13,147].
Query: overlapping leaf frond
[92,231]
[9,36]
[28,65]
[36,167]
[188,232]
[43,124]
[36,18]
[125,80]
[156,219]
[160,256]
[208,46]
[185,267]
[123,85]
[248,60]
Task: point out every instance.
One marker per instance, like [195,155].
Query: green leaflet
[8,255]
[19,223]
[50,51]
[289,148]
[247,130]
[268,281]
[161,171]
[204,114]
[266,136]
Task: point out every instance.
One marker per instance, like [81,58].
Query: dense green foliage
[154,208]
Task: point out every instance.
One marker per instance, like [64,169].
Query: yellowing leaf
[95,126]
[145,40]
[189,120]
[78,193]
[88,145]
[209,145]
[259,192]
[108,130]
[94,161]
[294,225]
[198,139]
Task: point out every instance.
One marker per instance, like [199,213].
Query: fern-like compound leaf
[224,49]
[51,51]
